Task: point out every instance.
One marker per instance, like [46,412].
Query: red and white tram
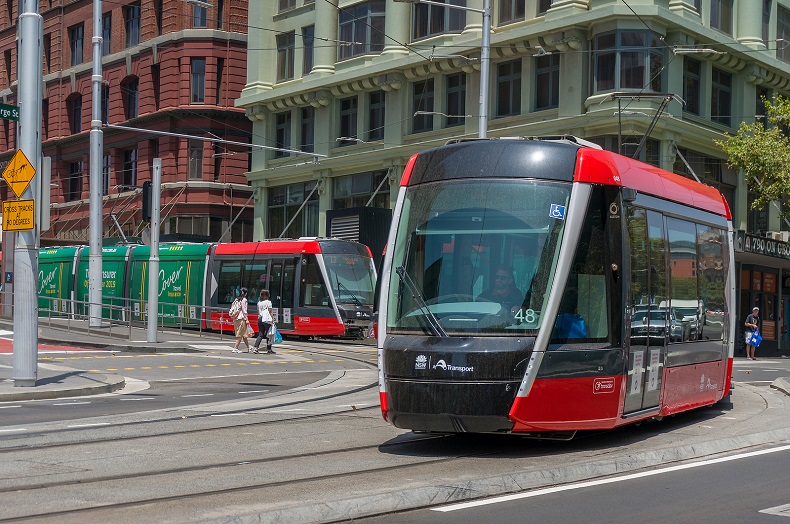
[543,285]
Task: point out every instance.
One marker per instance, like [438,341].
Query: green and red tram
[545,286]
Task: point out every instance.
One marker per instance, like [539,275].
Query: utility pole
[153,259]
[96,165]
[30,30]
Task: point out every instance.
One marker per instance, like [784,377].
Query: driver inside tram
[504,291]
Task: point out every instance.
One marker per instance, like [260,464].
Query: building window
[48,53]
[285,56]
[284,202]
[106,34]
[74,105]
[362,24]
[75,181]
[431,19]
[376,115]
[511,11]
[308,39]
[132,98]
[198,81]
[199,16]
[766,19]
[721,15]
[105,174]
[285,5]
[543,6]
[691,84]
[220,80]
[349,108]
[712,171]
[105,103]
[762,94]
[195,155]
[356,190]
[628,60]
[158,13]
[44,120]
[782,33]
[129,178]
[547,82]
[456,99]
[307,135]
[508,88]
[76,36]
[132,19]
[282,133]
[8,66]
[720,97]
[220,13]
[422,95]
[155,78]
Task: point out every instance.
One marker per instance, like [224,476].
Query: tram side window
[254,280]
[712,282]
[229,282]
[584,306]
[684,303]
[314,292]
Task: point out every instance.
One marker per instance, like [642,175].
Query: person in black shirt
[504,291]
[752,324]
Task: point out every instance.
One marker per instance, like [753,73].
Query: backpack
[235,308]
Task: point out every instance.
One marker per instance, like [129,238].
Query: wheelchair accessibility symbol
[557,211]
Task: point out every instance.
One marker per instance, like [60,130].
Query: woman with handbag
[752,325]
[265,322]
[241,322]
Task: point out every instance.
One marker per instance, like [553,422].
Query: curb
[109,384]
[781,384]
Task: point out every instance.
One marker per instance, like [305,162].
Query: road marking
[199,395]
[286,410]
[600,482]
[782,511]
[141,398]
[254,391]
[229,414]
[89,425]
[9,407]
[70,403]
[12,430]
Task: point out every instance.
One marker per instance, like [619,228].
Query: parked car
[658,324]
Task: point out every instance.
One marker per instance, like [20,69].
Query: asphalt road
[738,488]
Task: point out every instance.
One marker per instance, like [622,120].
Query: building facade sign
[745,243]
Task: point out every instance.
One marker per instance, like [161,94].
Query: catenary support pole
[153,260]
[485,68]
[30,29]
[96,164]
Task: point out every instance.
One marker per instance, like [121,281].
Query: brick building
[168,65]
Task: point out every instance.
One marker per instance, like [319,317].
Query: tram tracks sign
[18,173]
[18,215]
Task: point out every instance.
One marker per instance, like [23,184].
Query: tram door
[281,289]
[649,323]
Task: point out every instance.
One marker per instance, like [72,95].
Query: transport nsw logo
[603,385]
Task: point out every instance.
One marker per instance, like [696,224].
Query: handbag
[756,338]
[250,331]
[278,338]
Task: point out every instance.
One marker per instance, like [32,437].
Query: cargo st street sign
[18,173]
[8,112]
[18,215]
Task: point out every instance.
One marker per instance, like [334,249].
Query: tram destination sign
[758,245]
[18,215]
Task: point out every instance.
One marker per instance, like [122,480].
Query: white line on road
[9,407]
[12,430]
[254,391]
[141,398]
[286,410]
[69,403]
[89,425]
[600,482]
[229,414]
[199,395]
[782,511]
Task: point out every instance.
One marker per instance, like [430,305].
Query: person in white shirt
[265,321]
[241,322]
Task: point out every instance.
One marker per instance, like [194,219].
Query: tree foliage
[762,151]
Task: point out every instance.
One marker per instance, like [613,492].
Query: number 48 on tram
[547,286]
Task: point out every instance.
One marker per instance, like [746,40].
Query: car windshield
[478,256]
[640,316]
[351,277]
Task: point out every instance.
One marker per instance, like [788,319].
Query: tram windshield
[352,278]
[475,256]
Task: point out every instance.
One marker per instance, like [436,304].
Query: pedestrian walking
[241,321]
[265,322]
[752,324]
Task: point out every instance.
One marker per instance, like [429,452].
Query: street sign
[18,215]
[18,173]
[8,112]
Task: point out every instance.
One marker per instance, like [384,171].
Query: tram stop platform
[58,381]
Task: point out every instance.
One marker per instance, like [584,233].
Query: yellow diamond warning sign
[18,215]
[18,173]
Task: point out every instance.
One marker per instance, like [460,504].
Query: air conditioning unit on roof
[782,236]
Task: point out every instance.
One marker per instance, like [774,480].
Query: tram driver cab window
[314,292]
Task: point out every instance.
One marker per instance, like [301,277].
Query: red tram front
[318,287]
[543,286]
